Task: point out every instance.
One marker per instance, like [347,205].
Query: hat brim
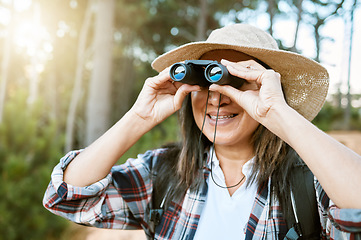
[304,81]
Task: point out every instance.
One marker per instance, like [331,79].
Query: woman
[232,181]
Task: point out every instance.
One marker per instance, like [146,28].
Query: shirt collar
[246,169]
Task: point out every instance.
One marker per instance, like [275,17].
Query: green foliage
[333,118]
[29,149]
[164,133]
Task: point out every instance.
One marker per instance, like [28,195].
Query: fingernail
[227,61]
[211,86]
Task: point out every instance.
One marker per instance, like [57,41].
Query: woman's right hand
[161,97]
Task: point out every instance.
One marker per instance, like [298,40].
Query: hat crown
[304,81]
[242,35]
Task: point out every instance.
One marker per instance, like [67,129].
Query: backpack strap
[303,222]
[160,192]
[155,209]
[157,212]
[295,232]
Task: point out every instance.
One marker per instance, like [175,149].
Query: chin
[222,140]
[230,137]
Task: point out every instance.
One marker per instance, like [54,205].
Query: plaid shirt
[120,201]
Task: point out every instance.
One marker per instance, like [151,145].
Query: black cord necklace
[214,140]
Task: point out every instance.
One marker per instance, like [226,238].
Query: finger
[226,90]
[245,73]
[250,70]
[236,95]
[248,65]
[182,92]
[160,79]
[177,84]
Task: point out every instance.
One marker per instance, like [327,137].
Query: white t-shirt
[225,216]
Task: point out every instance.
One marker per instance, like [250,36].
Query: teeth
[222,117]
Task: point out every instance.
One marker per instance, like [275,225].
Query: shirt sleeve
[337,223]
[118,201]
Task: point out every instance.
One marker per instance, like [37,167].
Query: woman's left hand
[336,167]
[265,94]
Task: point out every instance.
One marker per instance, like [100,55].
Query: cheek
[248,123]
[243,131]
[198,100]
[198,96]
[251,124]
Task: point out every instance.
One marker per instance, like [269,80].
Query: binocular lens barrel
[179,72]
[186,73]
[214,73]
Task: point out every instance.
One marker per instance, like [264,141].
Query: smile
[222,117]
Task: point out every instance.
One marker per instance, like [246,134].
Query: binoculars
[203,73]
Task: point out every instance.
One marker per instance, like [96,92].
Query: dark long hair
[183,162]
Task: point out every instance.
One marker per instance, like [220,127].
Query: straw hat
[304,81]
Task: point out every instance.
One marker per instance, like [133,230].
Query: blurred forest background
[71,68]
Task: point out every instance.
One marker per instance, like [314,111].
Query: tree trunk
[34,61]
[77,89]
[299,18]
[5,64]
[4,74]
[125,86]
[202,21]
[98,104]
[347,116]
[318,37]
[272,8]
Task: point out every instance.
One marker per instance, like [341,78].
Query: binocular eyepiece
[203,73]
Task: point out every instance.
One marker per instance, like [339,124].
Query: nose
[214,99]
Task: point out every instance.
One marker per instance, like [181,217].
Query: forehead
[227,54]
